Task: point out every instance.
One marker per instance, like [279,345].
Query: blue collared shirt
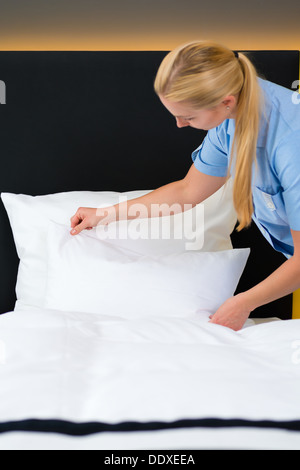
[276,177]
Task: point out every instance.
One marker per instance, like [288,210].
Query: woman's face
[204,119]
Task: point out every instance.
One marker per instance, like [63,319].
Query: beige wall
[147,24]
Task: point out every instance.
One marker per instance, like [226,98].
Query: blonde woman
[253,134]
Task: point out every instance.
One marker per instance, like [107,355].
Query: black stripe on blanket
[83,429]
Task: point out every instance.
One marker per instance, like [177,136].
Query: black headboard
[91,121]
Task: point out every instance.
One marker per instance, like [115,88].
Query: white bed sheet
[84,367]
[183,439]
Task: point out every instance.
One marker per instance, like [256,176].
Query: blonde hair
[202,74]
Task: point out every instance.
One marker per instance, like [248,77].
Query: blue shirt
[276,178]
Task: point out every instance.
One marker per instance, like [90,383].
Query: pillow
[30,215]
[87,274]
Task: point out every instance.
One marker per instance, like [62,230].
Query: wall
[147,24]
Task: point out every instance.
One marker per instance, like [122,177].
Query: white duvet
[84,367]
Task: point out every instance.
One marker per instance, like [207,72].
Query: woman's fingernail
[73,231]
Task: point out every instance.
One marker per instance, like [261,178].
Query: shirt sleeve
[210,157]
[287,167]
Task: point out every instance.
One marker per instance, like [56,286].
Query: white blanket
[83,367]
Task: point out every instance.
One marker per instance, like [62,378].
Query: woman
[253,134]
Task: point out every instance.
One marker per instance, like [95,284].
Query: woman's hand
[87,217]
[232,313]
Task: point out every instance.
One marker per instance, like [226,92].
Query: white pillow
[30,215]
[87,274]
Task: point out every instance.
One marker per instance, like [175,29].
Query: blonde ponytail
[203,73]
[245,140]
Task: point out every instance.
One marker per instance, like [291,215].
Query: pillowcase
[87,274]
[209,224]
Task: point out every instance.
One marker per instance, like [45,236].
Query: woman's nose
[181,122]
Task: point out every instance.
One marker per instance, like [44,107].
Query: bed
[105,340]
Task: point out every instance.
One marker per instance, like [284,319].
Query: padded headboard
[91,121]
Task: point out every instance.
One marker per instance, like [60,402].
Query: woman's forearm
[234,311]
[169,199]
[283,281]
[165,200]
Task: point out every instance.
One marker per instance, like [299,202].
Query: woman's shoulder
[281,110]
[281,99]
[276,90]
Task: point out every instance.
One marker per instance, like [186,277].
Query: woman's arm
[283,281]
[172,197]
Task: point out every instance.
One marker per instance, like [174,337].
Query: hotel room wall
[147,25]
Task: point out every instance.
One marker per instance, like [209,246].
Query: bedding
[202,228]
[191,439]
[88,274]
[89,373]
[146,370]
